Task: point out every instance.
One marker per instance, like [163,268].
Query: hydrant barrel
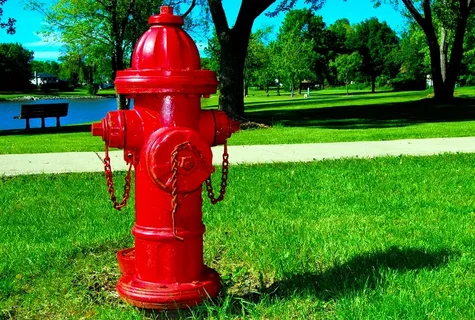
[168,139]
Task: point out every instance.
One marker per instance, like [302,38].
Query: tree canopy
[376,42]
[15,66]
[444,23]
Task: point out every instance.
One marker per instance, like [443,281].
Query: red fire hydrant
[167,138]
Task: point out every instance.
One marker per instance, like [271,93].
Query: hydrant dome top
[165,60]
[166,45]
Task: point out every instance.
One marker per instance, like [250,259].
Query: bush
[93,88]
[400,84]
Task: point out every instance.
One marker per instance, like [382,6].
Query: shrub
[93,88]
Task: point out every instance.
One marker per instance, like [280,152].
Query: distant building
[40,78]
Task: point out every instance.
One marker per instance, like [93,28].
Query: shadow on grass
[362,273]
[359,274]
[369,116]
[36,131]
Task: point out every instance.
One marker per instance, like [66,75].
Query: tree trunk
[457,50]
[234,42]
[231,78]
[267,90]
[373,84]
[444,76]
[292,88]
[444,46]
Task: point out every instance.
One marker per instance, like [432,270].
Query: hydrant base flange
[152,295]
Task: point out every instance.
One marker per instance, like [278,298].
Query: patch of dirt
[253,125]
[246,284]
[100,286]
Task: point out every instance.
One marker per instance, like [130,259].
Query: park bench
[44,110]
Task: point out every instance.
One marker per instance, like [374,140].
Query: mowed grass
[387,238]
[327,116]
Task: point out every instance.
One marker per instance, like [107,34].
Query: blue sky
[29,22]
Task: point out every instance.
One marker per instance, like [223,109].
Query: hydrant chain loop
[110,183]
[184,146]
[224,179]
[175,152]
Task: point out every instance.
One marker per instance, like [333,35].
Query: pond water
[80,111]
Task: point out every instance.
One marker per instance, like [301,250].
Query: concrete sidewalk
[92,161]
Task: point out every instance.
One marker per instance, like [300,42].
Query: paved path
[92,161]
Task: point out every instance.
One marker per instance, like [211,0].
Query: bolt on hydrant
[167,138]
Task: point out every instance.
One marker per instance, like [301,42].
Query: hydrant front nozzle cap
[166,17]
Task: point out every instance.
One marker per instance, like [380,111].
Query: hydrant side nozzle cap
[166,17]
[97,129]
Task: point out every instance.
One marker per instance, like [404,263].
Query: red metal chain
[110,182]
[175,152]
[224,179]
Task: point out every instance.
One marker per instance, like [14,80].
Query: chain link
[110,183]
[175,152]
[224,179]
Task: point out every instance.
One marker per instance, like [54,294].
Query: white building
[40,78]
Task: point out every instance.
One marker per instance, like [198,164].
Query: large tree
[304,24]
[10,24]
[376,42]
[234,43]
[347,67]
[294,55]
[444,23]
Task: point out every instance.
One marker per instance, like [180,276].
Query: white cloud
[46,55]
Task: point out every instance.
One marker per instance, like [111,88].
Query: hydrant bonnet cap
[167,17]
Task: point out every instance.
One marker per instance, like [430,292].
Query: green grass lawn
[327,116]
[388,238]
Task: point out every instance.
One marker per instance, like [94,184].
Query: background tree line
[103,33]
[17,69]
[369,53]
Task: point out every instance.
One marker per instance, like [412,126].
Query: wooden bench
[44,110]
